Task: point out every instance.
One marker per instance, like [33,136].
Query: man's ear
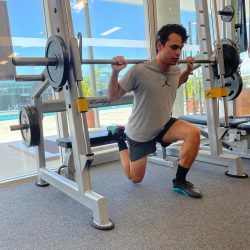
[159,46]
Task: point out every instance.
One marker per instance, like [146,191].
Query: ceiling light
[3,62]
[108,32]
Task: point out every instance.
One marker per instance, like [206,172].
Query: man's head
[163,34]
[170,40]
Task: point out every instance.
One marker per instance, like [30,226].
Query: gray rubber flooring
[147,216]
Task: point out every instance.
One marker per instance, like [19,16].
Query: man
[154,85]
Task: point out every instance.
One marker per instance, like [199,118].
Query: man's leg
[181,130]
[134,170]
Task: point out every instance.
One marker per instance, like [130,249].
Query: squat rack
[215,154]
[61,21]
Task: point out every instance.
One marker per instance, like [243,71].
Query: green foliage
[87,89]
[102,73]
[193,87]
[193,91]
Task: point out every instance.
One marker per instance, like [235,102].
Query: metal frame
[81,191]
[213,154]
[58,21]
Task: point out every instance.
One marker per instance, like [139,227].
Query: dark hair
[166,30]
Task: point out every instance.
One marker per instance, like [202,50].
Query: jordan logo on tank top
[165,83]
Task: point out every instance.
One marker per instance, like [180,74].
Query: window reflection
[28,40]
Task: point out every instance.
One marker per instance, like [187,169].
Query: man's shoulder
[136,69]
[174,69]
[150,66]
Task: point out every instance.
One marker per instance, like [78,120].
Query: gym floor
[146,216]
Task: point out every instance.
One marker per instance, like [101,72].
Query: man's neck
[161,65]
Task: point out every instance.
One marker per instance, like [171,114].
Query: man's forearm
[184,77]
[115,92]
[188,70]
[113,86]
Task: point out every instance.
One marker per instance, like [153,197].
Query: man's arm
[188,70]
[115,91]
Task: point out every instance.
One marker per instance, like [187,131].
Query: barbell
[57,63]
[105,61]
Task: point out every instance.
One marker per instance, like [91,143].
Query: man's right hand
[119,63]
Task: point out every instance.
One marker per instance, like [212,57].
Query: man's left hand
[190,64]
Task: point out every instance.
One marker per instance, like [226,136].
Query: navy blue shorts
[139,150]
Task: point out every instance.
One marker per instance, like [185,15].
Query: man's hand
[115,92]
[119,63]
[190,64]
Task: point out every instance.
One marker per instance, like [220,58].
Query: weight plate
[234,86]
[35,132]
[24,120]
[227,13]
[58,74]
[231,58]
[31,135]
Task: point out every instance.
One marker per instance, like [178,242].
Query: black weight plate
[235,86]
[35,130]
[25,118]
[58,74]
[31,135]
[231,58]
[229,13]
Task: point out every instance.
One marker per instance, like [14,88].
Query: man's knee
[137,170]
[136,180]
[194,135]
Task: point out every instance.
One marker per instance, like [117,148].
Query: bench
[97,138]
[202,120]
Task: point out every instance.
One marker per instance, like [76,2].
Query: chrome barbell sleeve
[34,61]
[19,127]
[28,78]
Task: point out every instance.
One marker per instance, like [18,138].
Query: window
[109,28]
[28,39]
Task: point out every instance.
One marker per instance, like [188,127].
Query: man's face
[171,51]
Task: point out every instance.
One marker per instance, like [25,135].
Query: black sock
[121,144]
[119,136]
[181,173]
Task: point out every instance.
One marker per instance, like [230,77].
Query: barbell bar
[105,61]
[57,62]
[39,61]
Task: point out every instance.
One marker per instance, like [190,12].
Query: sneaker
[187,188]
[117,131]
